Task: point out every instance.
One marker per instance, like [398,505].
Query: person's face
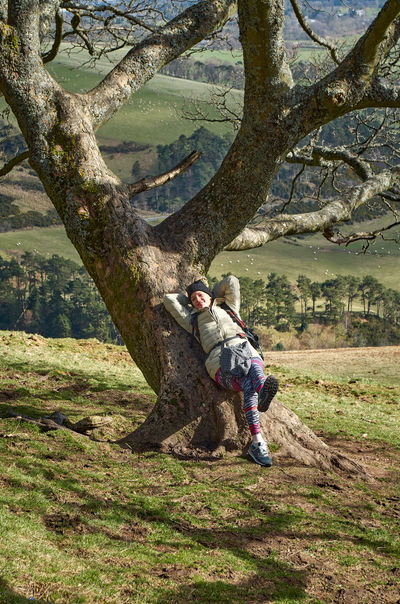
[200,300]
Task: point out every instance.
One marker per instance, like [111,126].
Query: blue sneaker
[259,453]
[267,393]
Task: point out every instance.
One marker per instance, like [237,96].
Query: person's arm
[176,305]
[229,288]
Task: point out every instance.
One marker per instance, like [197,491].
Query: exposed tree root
[205,430]
[297,441]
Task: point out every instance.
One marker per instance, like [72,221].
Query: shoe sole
[265,465]
[267,393]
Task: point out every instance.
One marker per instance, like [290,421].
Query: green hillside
[152,116]
[44,241]
[282,256]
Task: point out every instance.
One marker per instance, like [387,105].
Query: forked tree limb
[378,39]
[359,236]
[324,156]
[58,37]
[350,86]
[144,60]
[88,9]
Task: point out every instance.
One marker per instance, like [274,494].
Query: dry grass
[379,365]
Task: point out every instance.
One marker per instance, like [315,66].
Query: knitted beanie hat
[198,286]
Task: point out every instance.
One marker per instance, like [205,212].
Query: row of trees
[53,297]
[276,301]
[214,72]
[56,298]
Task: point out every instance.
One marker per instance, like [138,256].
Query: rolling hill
[154,114]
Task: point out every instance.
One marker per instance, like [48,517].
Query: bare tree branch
[18,159]
[94,12]
[292,187]
[146,58]
[349,86]
[324,156]
[323,219]
[359,236]
[382,95]
[305,26]
[146,184]
[82,34]
[224,100]
[370,46]
[49,56]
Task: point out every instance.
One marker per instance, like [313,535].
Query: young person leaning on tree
[231,361]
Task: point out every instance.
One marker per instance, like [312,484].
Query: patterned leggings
[251,384]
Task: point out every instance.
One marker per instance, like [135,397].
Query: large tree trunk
[193,417]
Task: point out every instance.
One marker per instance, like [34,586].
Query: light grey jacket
[214,323]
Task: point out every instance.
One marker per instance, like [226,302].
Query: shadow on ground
[8,596]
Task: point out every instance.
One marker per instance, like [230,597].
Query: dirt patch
[331,564]
[10,394]
[129,533]
[175,572]
[342,362]
[65,523]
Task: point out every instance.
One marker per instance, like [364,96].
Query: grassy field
[84,521]
[311,257]
[227,56]
[152,114]
[307,257]
[44,241]
[334,390]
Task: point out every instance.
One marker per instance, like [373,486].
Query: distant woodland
[56,298]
